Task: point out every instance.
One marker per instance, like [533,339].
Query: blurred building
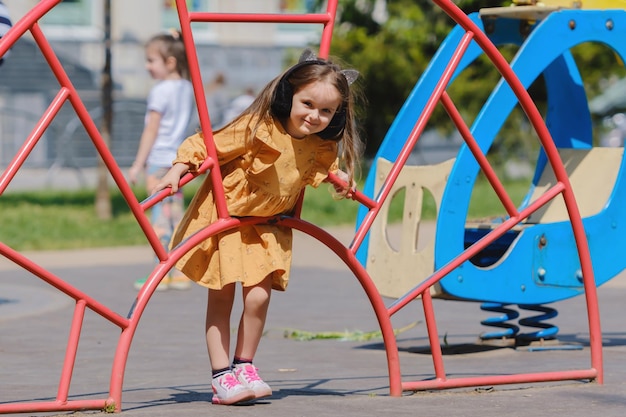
[249,54]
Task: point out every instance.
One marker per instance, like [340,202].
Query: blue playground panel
[517,277]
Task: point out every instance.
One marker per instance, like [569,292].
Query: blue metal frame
[544,52]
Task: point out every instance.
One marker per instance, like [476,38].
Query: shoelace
[229,381]
[250,374]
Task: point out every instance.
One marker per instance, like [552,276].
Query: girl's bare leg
[165,217]
[151,182]
[219,307]
[256,302]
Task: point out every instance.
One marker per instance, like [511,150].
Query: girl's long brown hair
[351,145]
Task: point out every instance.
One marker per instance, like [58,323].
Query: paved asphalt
[168,373]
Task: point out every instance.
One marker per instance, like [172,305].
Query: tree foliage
[391,53]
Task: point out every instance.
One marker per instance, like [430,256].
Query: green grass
[46,220]
[64,220]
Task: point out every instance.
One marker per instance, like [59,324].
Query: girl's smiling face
[313,107]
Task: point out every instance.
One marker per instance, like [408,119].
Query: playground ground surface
[168,373]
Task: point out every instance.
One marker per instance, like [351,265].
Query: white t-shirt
[173,99]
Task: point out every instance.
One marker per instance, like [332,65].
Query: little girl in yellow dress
[288,138]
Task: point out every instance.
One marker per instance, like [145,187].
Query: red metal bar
[589,374]
[203,112]
[49,406]
[72,349]
[405,152]
[481,158]
[474,249]
[62,285]
[433,335]
[258,18]
[551,151]
[128,326]
[329,25]
[357,195]
[122,350]
[225,222]
[98,141]
[32,140]
[25,24]
[591,294]
[383,318]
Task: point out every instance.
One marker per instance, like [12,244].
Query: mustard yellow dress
[262,177]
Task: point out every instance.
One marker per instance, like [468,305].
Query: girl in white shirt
[169,107]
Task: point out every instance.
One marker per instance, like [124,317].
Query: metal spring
[548,331]
[509,329]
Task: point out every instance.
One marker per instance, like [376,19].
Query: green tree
[390,55]
[393,52]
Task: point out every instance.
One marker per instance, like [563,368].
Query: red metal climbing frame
[128,325]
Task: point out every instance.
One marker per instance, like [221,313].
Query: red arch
[67,92]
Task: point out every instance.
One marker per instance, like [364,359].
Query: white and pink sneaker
[246,373]
[227,390]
